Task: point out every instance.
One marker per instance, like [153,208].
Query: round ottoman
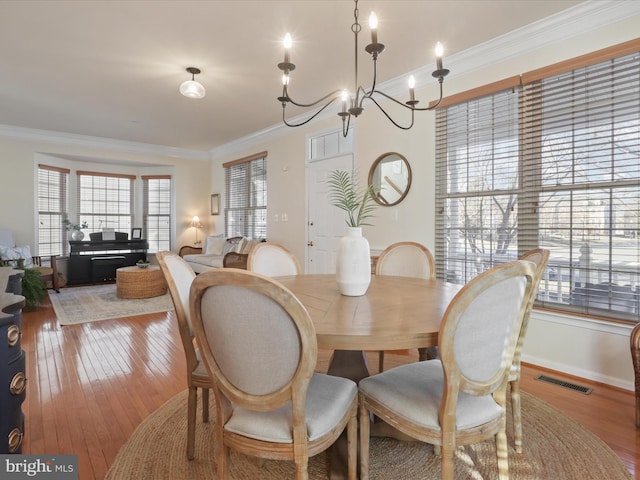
[136,282]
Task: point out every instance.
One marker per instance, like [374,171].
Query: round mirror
[390,177]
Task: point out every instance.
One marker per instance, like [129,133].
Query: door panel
[325,223]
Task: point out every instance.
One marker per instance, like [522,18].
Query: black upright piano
[97,260]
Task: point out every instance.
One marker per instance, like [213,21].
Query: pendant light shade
[191,88]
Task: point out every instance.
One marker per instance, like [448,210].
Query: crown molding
[574,21]
[85,141]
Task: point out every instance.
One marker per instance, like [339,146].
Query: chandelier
[352,102]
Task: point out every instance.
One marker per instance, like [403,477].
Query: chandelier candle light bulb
[373,25]
[288,42]
[412,84]
[439,54]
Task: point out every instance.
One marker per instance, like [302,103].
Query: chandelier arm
[334,94]
[373,90]
[435,105]
[402,104]
[284,120]
[389,116]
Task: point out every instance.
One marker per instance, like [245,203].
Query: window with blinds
[105,200]
[156,192]
[245,204]
[554,164]
[477,185]
[52,210]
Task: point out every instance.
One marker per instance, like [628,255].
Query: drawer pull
[13,335]
[18,384]
[15,440]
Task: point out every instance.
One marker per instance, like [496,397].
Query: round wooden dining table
[395,313]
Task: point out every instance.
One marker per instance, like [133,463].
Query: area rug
[555,448]
[99,302]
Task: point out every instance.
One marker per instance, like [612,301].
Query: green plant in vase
[353,257]
[344,194]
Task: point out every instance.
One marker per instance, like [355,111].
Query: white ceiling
[112,68]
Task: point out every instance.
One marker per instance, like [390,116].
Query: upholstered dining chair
[406,259]
[460,398]
[273,260]
[179,276]
[539,257]
[259,345]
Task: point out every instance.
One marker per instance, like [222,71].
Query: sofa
[218,252]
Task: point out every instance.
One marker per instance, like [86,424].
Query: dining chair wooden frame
[387,264]
[273,260]
[468,384]
[259,345]
[179,276]
[539,257]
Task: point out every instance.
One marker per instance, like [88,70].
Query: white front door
[325,223]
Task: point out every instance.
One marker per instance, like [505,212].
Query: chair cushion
[16,253]
[328,398]
[414,392]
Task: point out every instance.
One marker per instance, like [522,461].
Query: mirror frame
[372,170]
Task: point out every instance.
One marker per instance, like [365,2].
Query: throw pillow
[215,245]
[16,253]
[240,245]
[207,240]
[246,248]
[228,247]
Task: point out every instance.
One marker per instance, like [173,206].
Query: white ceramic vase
[353,263]
[77,235]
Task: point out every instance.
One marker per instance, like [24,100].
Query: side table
[136,282]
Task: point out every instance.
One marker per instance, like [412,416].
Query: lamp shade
[195,222]
[192,89]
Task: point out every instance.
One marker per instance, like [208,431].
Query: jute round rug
[555,448]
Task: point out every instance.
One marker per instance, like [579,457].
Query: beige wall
[559,342]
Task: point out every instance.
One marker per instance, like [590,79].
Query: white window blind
[558,167]
[157,211]
[477,185]
[245,204]
[581,157]
[105,200]
[52,210]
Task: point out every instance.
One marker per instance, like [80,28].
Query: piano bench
[104,268]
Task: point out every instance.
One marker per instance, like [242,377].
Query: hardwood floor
[90,385]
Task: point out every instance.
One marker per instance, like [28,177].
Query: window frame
[158,238]
[115,191]
[52,237]
[245,204]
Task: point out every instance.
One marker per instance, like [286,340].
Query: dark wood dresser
[13,379]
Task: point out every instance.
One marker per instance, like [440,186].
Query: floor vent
[562,383]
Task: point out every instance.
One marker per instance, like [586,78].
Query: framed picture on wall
[215,204]
[136,233]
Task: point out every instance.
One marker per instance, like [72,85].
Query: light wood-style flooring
[90,385]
